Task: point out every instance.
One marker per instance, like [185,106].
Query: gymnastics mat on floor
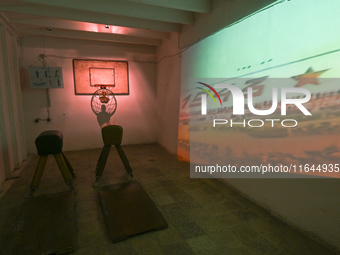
[42,225]
[128,210]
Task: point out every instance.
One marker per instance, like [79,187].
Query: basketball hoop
[103,99]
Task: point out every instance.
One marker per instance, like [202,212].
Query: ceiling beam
[92,36]
[123,8]
[202,6]
[77,15]
[90,27]
[4,21]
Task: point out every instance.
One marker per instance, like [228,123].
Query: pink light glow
[91,74]
[102,76]
[100,28]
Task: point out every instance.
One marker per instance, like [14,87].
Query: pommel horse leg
[64,170]
[112,135]
[38,173]
[101,163]
[125,161]
[70,168]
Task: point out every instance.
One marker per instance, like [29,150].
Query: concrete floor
[204,215]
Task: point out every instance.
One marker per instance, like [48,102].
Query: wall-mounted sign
[45,77]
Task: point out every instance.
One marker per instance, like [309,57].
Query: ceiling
[126,21]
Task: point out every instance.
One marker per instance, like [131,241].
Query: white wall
[312,205]
[72,114]
[168,91]
[12,136]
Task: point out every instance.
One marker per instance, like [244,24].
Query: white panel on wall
[45,77]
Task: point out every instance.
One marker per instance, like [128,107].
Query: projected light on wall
[288,44]
[89,75]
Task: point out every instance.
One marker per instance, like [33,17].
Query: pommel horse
[112,134]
